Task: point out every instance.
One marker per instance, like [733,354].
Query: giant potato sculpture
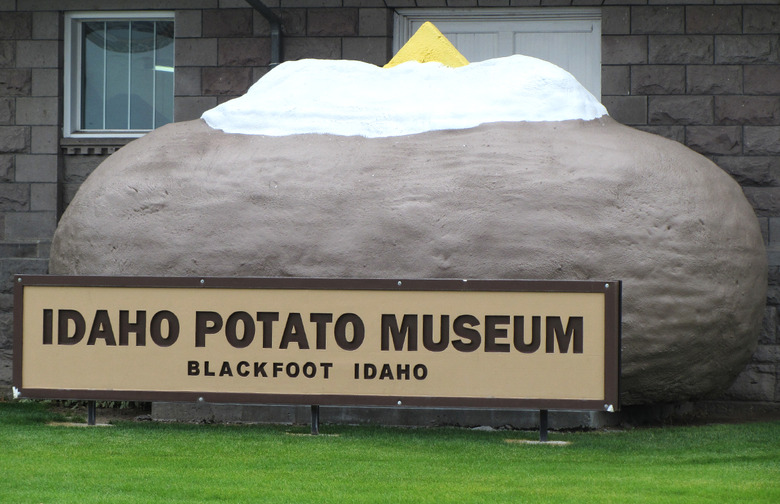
[566,199]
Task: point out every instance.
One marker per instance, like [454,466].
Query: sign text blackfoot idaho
[491,343]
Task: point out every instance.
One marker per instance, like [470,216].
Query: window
[118,73]
[568,37]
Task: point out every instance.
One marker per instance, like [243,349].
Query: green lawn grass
[143,462]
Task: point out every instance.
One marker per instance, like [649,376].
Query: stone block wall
[221,51]
[705,73]
[29,164]
[708,76]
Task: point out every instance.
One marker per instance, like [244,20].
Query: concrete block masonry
[657,80]
[747,49]
[15,82]
[716,79]
[332,22]
[679,109]
[680,49]
[762,140]
[714,140]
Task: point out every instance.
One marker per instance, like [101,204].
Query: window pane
[126,74]
[117,72]
[164,74]
[142,75]
[92,88]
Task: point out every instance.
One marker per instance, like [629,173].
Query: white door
[568,37]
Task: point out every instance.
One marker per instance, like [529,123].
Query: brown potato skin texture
[549,200]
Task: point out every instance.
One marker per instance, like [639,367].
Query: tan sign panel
[531,344]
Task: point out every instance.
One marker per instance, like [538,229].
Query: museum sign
[462,343]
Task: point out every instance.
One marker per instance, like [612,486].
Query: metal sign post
[315,419]
[543,426]
[91,412]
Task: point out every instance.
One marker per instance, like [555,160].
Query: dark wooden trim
[430,284]
[16,373]
[308,399]
[612,345]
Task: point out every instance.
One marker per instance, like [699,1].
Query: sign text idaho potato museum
[524,344]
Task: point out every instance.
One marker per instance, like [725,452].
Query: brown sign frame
[612,344]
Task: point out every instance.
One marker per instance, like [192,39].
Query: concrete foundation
[402,416]
[710,411]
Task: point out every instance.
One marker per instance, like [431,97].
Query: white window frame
[586,20]
[73,70]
